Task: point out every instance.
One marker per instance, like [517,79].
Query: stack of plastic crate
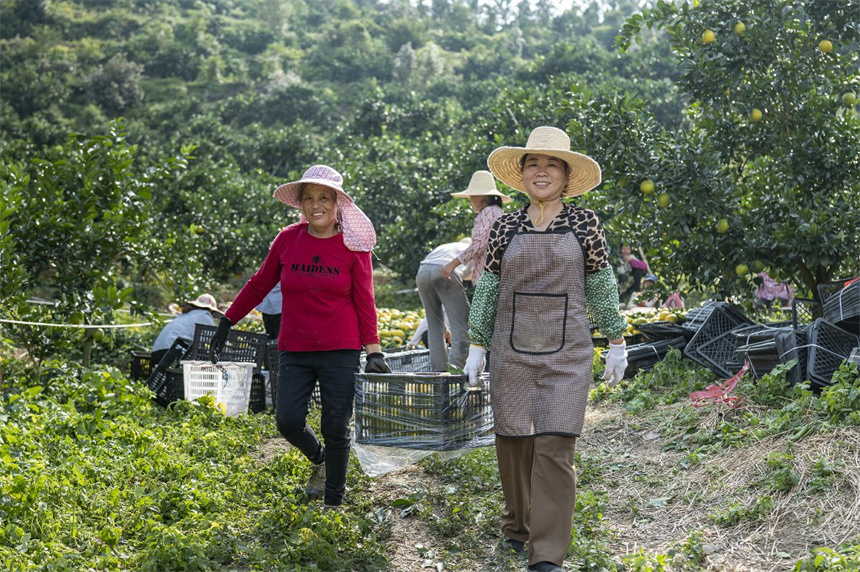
[842,305]
[712,344]
[829,346]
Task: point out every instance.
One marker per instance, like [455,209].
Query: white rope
[816,346]
[78,326]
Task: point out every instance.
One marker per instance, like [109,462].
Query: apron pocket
[538,325]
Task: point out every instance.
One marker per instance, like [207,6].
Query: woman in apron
[546,268]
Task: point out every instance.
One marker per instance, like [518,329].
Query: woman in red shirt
[328,315]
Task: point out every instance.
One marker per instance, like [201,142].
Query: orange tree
[78,226]
[764,174]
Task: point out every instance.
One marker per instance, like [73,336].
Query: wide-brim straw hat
[205,302]
[482,184]
[506,162]
[324,175]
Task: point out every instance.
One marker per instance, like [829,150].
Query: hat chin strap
[539,219]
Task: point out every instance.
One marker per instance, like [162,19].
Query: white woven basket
[229,382]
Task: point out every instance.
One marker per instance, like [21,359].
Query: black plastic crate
[140,367]
[829,346]
[827,289]
[661,330]
[762,355]
[257,397]
[166,380]
[602,342]
[793,345]
[403,360]
[842,308]
[421,411]
[241,346]
[416,361]
[696,317]
[713,345]
[805,311]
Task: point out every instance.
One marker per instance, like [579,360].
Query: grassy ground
[93,476]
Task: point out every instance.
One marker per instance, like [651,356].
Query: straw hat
[358,232]
[505,162]
[482,184]
[205,302]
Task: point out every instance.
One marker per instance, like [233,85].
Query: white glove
[616,363]
[475,365]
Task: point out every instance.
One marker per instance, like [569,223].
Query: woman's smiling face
[544,177]
[319,206]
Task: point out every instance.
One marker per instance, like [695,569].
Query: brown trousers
[538,479]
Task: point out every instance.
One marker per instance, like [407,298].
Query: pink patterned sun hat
[358,231]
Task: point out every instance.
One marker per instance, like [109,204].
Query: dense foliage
[406,98]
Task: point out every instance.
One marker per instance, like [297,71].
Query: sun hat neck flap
[505,162]
[482,184]
[358,232]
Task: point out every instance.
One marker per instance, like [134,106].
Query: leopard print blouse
[583,222]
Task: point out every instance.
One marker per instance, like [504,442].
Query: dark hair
[523,161]
[490,200]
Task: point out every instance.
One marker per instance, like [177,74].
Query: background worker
[443,295]
[487,202]
[201,310]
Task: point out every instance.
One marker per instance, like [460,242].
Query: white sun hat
[482,184]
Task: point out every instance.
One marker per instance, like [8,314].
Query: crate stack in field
[824,334]
[721,338]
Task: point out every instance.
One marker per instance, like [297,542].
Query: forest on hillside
[142,139]
[227,98]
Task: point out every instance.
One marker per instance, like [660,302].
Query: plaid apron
[540,366]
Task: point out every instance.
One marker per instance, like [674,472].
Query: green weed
[843,558]
[738,512]
[782,477]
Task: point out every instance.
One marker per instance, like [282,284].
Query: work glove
[219,339]
[376,363]
[616,363]
[475,365]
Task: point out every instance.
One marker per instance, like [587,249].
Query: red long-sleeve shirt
[328,301]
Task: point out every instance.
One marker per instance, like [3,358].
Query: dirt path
[654,503]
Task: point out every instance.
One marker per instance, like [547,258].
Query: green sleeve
[482,315]
[601,300]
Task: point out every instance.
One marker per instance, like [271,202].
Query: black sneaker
[545,567]
[517,546]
